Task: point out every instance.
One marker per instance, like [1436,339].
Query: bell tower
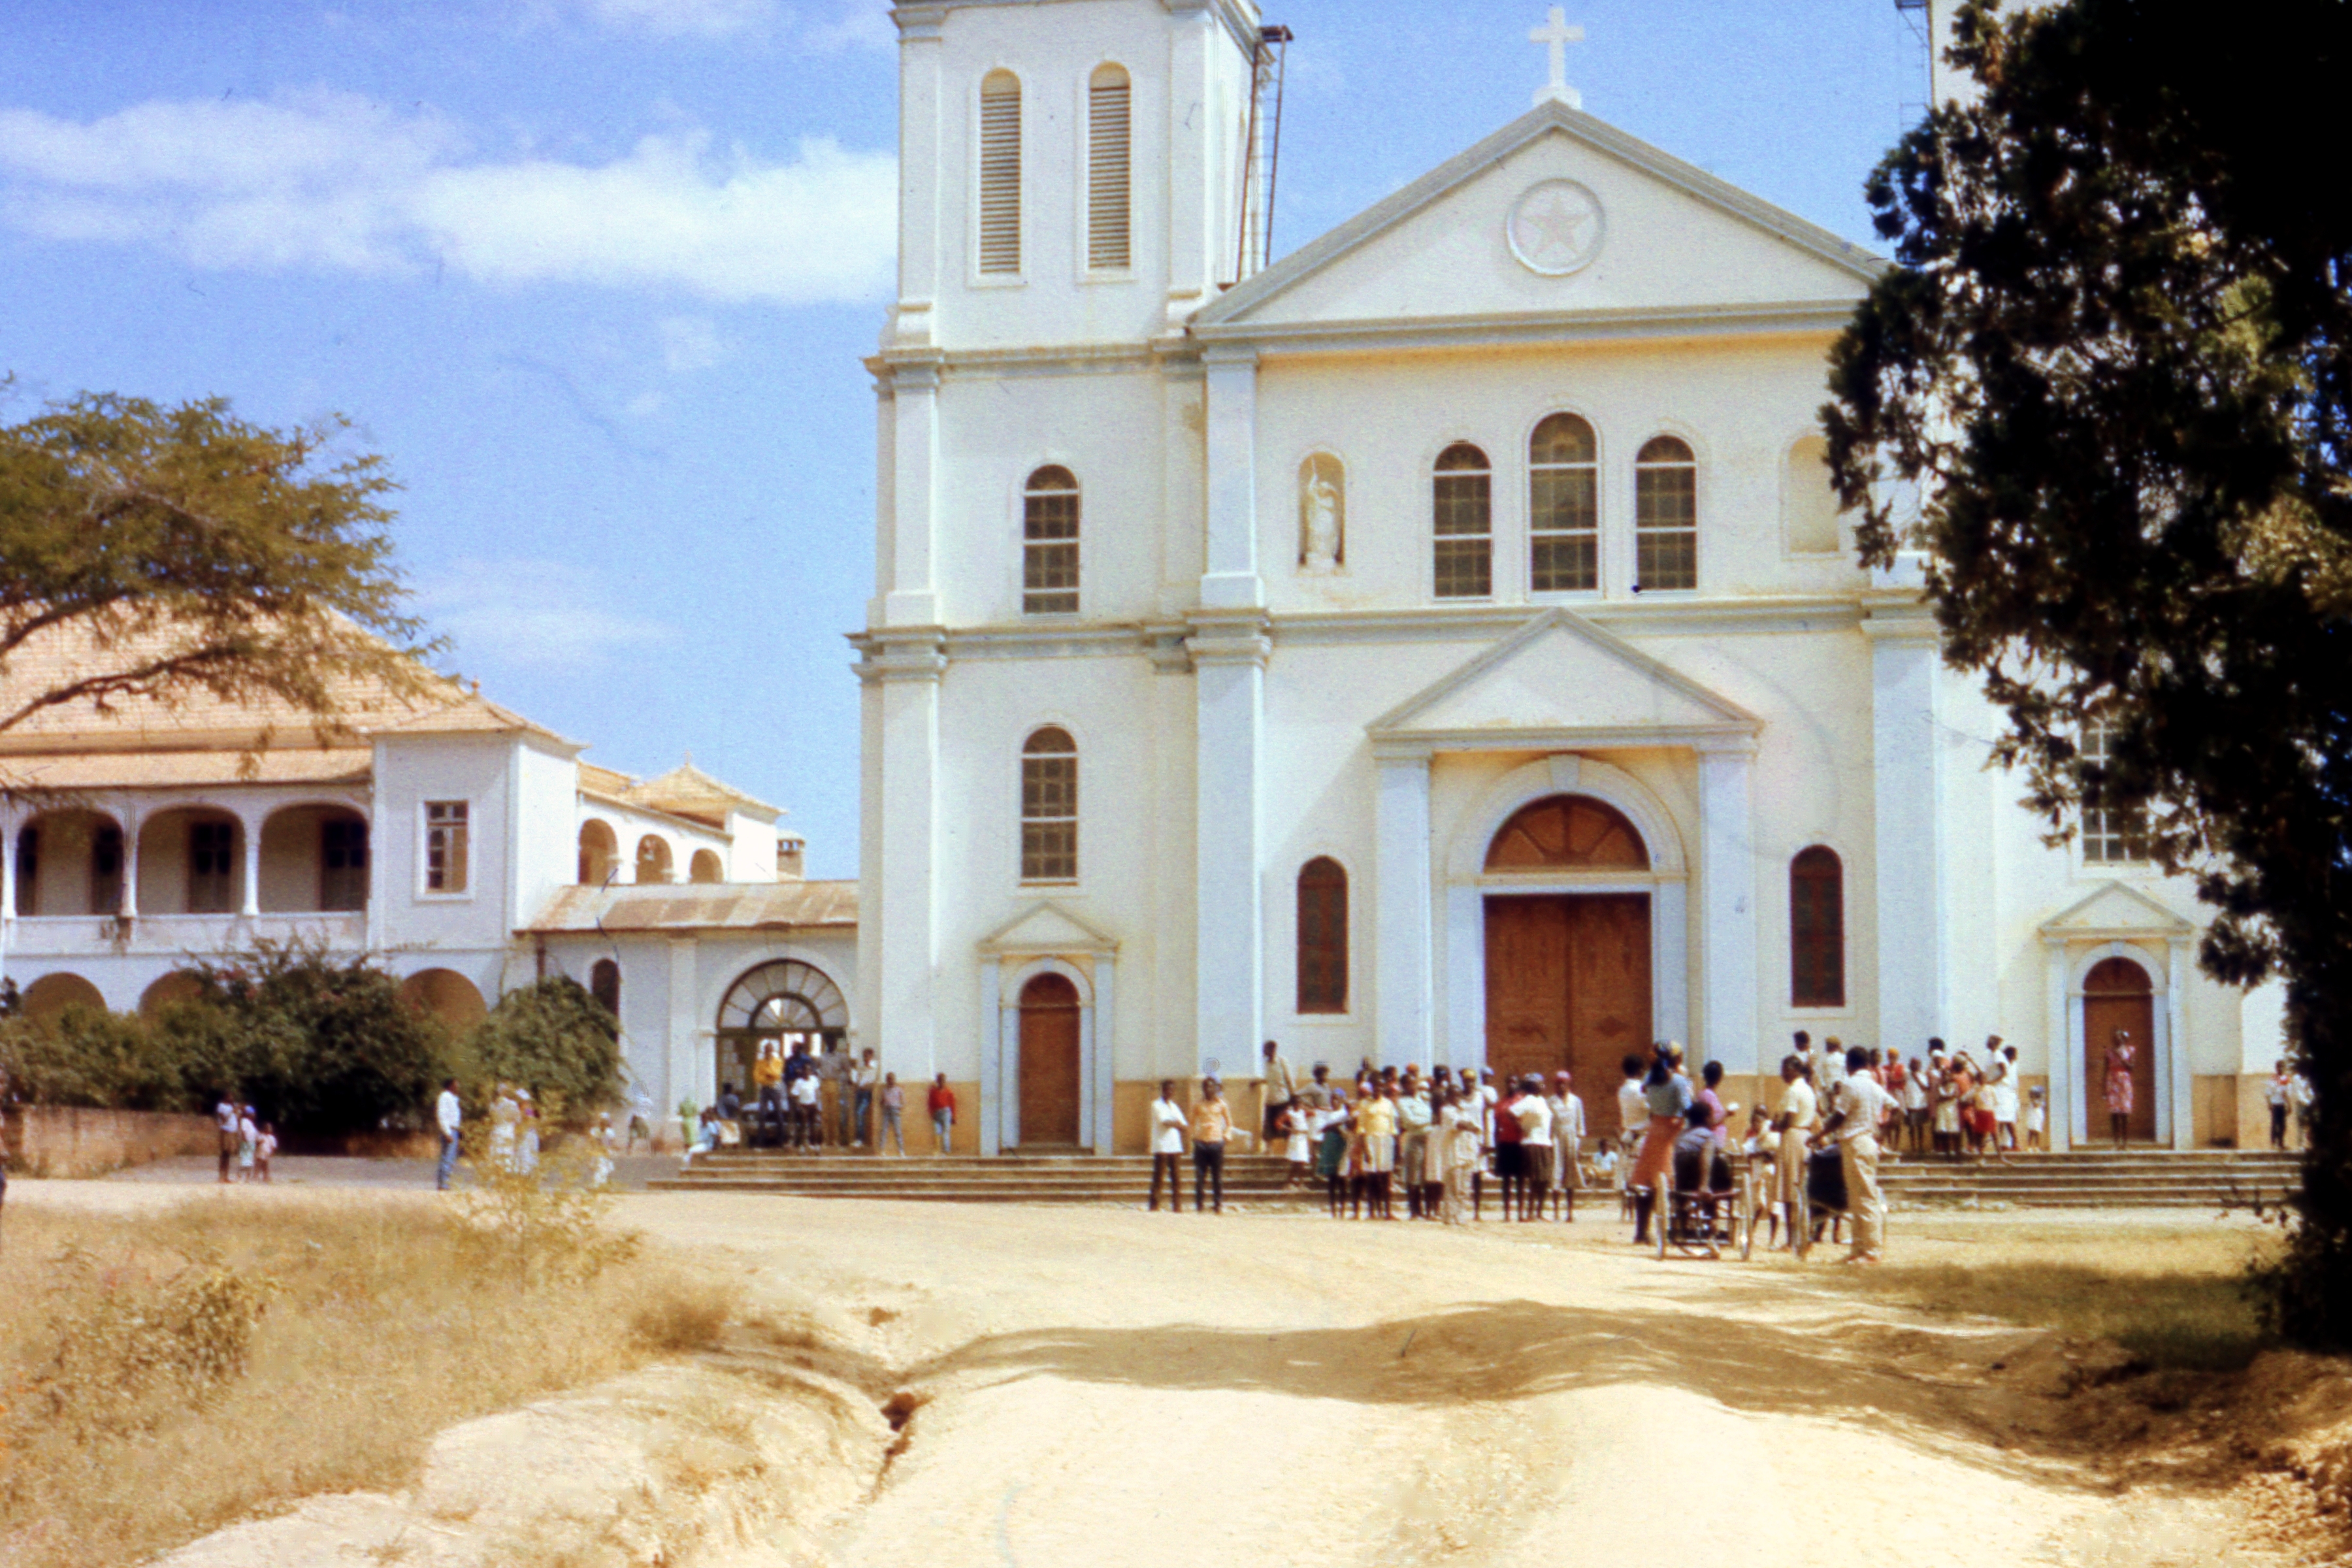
[1070,173]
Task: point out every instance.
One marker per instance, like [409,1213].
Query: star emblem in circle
[1555,227]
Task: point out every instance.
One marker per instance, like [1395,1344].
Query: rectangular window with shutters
[999,176]
[447,847]
[1109,192]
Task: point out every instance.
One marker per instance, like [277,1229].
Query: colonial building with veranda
[1439,645]
[466,848]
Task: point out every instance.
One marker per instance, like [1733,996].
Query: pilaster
[910,595]
[922,114]
[1404,889]
[1229,657]
[1905,830]
[1728,905]
[905,667]
[1230,578]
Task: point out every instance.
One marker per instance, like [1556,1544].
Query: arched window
[1817,929]
[1049,807]
[1665,515]
[1322,936]
[1108,204]
[653,859]
[1464,522]
[605,985]
[1049,543]
[599,853]
[1808,507]
[1000,175]
[705,867]
[1563,508]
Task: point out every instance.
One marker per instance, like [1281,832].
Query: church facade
[1440,644]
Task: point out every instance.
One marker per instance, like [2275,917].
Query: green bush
[86,1056]
[553,1039]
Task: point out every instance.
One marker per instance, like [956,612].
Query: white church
[1439,645]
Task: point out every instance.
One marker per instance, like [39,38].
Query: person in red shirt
[943,1110]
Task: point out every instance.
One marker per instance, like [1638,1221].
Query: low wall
[69,1141]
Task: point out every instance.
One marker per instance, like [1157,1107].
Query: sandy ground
[1101,1386]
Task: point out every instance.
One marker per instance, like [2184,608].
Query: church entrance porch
[1568,986]
[1049,1063]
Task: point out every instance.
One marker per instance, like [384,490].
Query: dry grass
[2172,1292]
[286,1348]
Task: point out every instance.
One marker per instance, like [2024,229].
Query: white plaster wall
[410,772]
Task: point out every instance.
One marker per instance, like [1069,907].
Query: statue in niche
[1322,515]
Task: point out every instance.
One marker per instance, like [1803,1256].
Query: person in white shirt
[2305,1101]
[2276,1094]
[1633,1106]
[862,1079]
[448,1116]
[1534,1114]
[248,1140]
[1798,1115]
[1169,1119]
[1855,1111]
[265,1147]
[1568,1142]
[224,1121]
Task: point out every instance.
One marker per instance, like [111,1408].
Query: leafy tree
[2111,363]
[553,1039]
[326,1046]
[183,551]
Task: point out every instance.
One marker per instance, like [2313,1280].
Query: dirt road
[1092,1386]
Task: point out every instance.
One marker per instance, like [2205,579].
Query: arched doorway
[445,995]
[782,1000]
[1568,972]
[1049,1063]
[53,993]
[2118,994]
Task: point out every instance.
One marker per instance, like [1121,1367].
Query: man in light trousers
[1856,1107]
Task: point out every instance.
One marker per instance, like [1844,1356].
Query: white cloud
[533,613]
[690,342]
[329,181]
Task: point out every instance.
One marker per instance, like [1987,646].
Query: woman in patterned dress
[2119,1085]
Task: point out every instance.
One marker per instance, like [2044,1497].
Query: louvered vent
[1108,201]
[1000,175]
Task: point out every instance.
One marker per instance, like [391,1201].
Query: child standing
[264,1146]
[1298,1145]
[2036,1118]
[248,1140]
[893,1107]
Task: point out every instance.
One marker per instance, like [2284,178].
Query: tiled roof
[608,782]
[698,907]
[198,720]
[687,791]
[183,769]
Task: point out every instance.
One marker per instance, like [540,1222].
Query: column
[902,942]
[9,828]
[1905,827]
[1401,875]
[686,1077]
[2180,1088]
[1229,655]
[993,1110]
[921,166]
[2066,1110]
[909,597]
[1728,907]
[1229,578]
[252,834]
[1106,1060]
[129,817]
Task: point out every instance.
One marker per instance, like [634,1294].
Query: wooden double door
[2117,994]
[1568,986]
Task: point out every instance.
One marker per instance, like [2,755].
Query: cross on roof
[1556,35]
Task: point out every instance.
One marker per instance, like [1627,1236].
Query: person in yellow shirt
[1376,1126]
[768,1078]
[1212,1124]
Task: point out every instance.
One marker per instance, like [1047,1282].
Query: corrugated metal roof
[698,906]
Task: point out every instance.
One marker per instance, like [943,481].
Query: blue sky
[596,275]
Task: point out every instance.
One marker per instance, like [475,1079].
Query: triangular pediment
[1668,240]
[1562,680]
[2116,909]
[1047,928]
